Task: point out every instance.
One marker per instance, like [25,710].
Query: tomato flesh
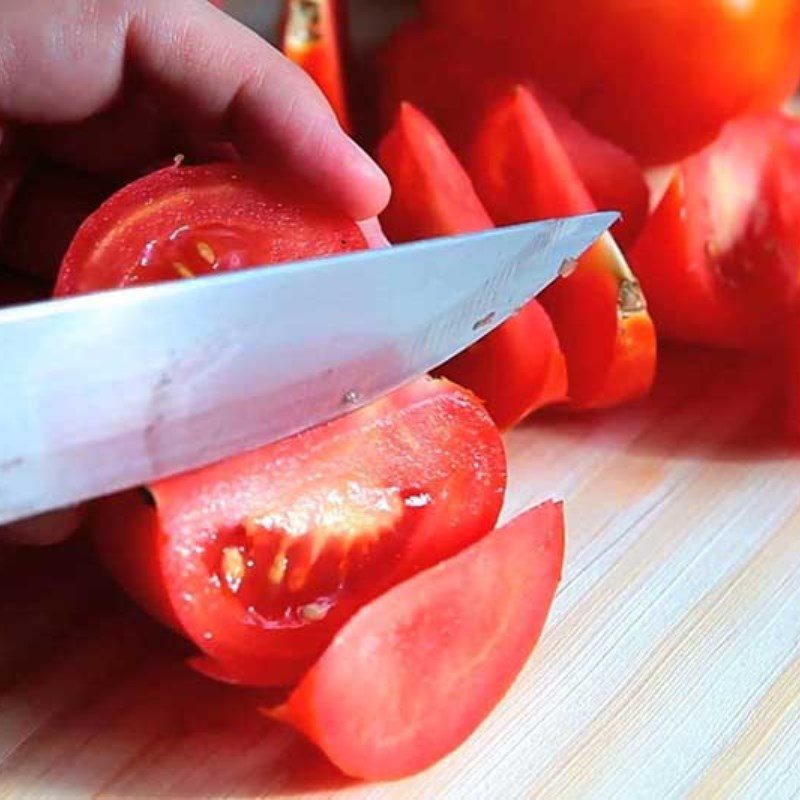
[314,39]
[521,172]
[718,257]
[413,673]
[260,559]
[518,367]
[184,221]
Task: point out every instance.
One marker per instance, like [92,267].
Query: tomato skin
[521,172]
[518,367]
[432,469]
[658,78]
[314,38]
[137,236]
[466,85]
[413,673]
[718,256]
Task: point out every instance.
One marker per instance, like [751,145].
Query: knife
[111,390]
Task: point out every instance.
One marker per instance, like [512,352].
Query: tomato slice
[184,221]
[261,558]
[313,37]
[466,83]
[518,367]
[410,677]
[521,172]
[718,257]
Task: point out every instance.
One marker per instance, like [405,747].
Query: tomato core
[288,567]
[189,252]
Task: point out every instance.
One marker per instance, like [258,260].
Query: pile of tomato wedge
[358,565]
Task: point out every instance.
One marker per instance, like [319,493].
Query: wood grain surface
[670,666]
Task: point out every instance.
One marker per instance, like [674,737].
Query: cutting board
[670,666]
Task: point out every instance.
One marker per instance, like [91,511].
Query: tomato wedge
[184,221]
[518,367]
[413,673]
[466,83]
[521,172]
[261,558]
[718,258]
[313,37]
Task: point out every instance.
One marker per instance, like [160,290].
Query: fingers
[221,76]
[64,61]
[46,529]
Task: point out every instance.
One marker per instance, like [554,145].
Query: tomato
[410,677]
[519,366]
[718,258]
[185,221]
[462,87]
[658,78]
[521,172]
[313,37]
[261,558]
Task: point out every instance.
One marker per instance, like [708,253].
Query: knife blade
[116,389]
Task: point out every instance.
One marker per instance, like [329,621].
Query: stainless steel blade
[115,389]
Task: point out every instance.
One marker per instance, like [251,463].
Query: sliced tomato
[261,558]
[432,195]
[314,38]
[659,78]
[185,221]
[466,84]
[518,367]
[521,172]
[412,675]
[718,258]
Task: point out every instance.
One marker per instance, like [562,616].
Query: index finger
[63,61]
[222,75]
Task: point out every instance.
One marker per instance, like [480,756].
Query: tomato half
[186,221]
[518,367]
[260,559]
[521,172]
[410,677]
[658,78]
[314,38]
[718,258]
[445,75]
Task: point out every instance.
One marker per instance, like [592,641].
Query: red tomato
[718,258]
[658,78]
[410,677]
[261,558]
[313,37]
[465,85]
[521,172]
[518,367]
[181,222]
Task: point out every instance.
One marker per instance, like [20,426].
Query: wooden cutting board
[670,666]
